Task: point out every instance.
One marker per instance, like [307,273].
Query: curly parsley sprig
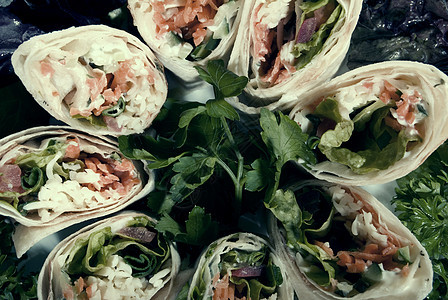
[15,283]
[421,203]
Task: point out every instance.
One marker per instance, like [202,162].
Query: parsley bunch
[15,283]
[422,205]
[214,164]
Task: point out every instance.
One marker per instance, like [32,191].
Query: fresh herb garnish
[421,203]
[197,145]
[15,282]
[199,229]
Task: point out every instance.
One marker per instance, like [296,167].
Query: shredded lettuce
[90,254]
[304,52]
[366,143]
[33,176]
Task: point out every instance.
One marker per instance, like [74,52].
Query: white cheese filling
[115,281]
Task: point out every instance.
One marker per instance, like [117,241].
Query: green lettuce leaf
[41,159]
[328,109]
[90,254]
[92,119]
[304,52]
[298,229]
[365,144]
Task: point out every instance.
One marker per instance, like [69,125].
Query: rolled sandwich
[340,242]
[53,177]
[374,124]
[185,34]
[290,45]
[122,257]
[95,78]
[240,266]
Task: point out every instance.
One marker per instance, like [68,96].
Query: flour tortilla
[428,80]
[31,228]
[320,69]
[416,285]
[210,258]
[142,14]
[50,274]
[109,46]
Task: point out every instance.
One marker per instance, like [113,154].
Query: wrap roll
[290,45]
[240,265]
[185,34]
[95,78]
[374,124]
[122,257]
[340,242]
[55,176]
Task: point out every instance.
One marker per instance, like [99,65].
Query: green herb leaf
[15,282]
[199,230]
[187,116]
[284,138]
[421,202]
[192,172]
[260,175]
[225,83]
[220,108]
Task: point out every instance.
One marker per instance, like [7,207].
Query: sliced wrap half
[290,45]
[374,124]
[122,257]
[340,242]
[93,78]
[53,177]
[237,266]
[185,34]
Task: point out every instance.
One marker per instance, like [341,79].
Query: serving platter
[200,92]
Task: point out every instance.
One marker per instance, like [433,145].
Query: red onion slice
[248,271]
[141,234]
[307,30]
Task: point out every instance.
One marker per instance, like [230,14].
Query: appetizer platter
[233,149]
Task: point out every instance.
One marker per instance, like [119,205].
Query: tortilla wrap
[174,31]
[116,274]
[390,117]
[212,271]
[55,176]
[370,229]
[95,78]
[304,61]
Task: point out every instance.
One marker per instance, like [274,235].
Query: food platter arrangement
[224,149]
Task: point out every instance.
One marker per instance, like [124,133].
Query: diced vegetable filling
[196,27]
[371,137]
[104,83]
[343,245]
[111,265]
[238,268]
[64,178]
[285,42]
